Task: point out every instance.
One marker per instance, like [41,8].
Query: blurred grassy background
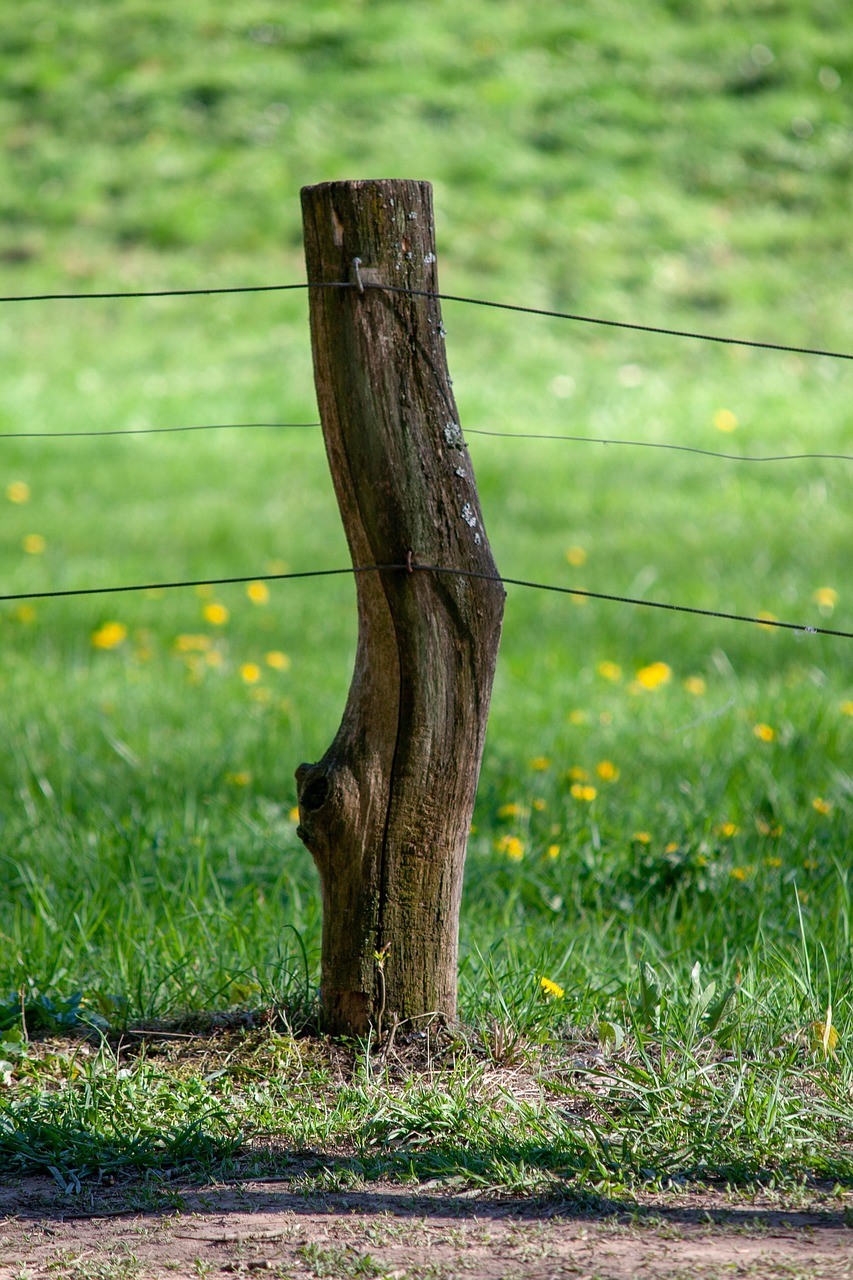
[691,168]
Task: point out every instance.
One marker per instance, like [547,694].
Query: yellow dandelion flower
[582,791]
[738,873]
[609,670]
[34,544]
[540,763]
[728,830]
[607,771]
[539,804]
[766,618]
[553,851]
[277,660]
[764,732]
[25,613]
[642,837]
[551,989]
[672,847]
[511,810]
[216,614]
[810,864]
[579,717]
[772,863]
[826,598]
[654,675]
[240,779]
[294,813]
[18,492]
[725,420]
[250,672]
[576,556]
[821,805]
[847,708]
[192,643]
[577,774]
[109,635]
[511,846]
[695,685]
[258,592]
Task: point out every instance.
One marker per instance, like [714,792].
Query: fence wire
[656,444]
[765,622]
[149,431]
[471,431]
[413,567]
[153,293]
[616,324]
[443,297]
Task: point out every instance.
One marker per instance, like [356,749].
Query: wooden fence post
[386,813]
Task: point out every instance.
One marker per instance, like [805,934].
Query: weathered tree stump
[386,813]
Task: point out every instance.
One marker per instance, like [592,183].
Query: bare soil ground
[264,1228]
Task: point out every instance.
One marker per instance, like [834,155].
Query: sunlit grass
[658,789]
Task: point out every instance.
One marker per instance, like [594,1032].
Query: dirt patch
[264,1228]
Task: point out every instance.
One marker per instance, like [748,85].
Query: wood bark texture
[386,813]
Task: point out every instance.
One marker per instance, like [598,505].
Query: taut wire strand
[411,567]
[646,604]
[198,582]
[152,293]
[615,324]
[444,297]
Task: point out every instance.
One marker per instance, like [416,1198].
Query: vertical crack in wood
[381,941]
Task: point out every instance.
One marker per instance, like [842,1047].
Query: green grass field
[634,820]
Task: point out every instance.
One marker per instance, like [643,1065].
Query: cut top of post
[393,227]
